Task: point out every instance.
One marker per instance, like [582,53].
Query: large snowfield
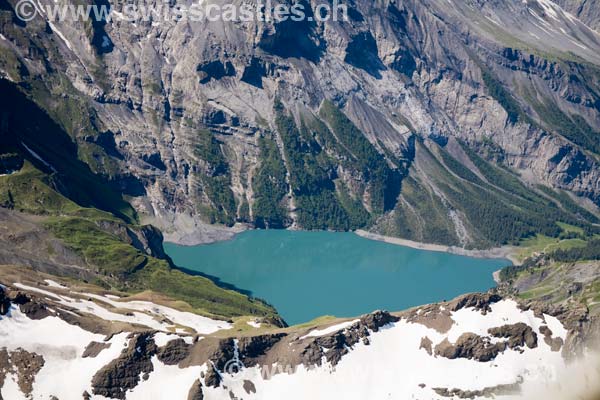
[391,366]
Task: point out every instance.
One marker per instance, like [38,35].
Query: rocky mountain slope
[71,341]
[470,124]
[587,11]
[462,123]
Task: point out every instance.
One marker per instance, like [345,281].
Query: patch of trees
[312,176]
[270,187]
[591,251]
[384,182]
[216,182]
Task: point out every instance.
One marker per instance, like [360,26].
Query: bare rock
[25,365]
[94,348]
[426,344]
[378,319]
[212,377]
[4,302]
[195,392]
[249,387]
[478,301]
[173,352]
[518,335]
[470,346]
[123,373]
[488,392]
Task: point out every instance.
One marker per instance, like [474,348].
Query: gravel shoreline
[189,232]
[497,252]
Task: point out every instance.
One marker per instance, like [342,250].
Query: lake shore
[189,232]
[498,252]
[343,274]
[496,276]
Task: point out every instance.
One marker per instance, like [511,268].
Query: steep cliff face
[586,10]
[432,120]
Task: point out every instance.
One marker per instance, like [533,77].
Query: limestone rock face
[587,11]
[514,81]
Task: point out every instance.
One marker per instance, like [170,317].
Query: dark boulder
[4,302]
[470,346]
[173,352]
[195,392]
[518,335]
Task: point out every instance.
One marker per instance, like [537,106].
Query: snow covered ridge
[141,313]
[473,347]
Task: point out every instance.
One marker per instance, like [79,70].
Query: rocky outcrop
[488,393]
[470,346]
[581,325]
[94,348]
[427,345]
[212,378]
[196,391]
[249,387]
[23,365]
[252,349]
[554,343]
[125,372]
[518,335]
[479,301]
[173,352]
[376,320]
[4,302]
[28,305]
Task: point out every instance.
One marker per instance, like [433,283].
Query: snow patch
[37,157]
[253,323]
[331,329]
[54,284]
[166,382]
[143,313]
[196,322]
[62,346]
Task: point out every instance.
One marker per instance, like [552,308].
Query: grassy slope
[91,233]
[86,214]
[119,265]
[558,269]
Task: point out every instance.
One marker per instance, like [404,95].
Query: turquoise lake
[309,274]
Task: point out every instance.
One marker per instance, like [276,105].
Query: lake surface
[309,274]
